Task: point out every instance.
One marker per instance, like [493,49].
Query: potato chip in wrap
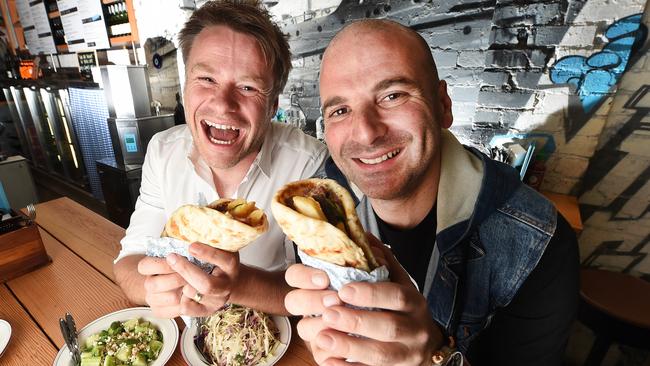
[224,224]
[320,217]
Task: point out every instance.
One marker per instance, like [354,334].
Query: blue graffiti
[594,76]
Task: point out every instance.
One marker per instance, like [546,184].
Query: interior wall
[547,66]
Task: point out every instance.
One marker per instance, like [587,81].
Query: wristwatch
[448,355]
[455,359]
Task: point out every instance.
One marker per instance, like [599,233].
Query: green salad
[133,342]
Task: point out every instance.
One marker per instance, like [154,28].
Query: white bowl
[5,335]
[193,357]
[167,327]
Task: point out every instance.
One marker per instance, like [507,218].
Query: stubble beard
[382,185]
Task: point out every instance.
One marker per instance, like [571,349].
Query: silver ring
[197,297]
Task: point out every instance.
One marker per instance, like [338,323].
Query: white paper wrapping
[340,276]
[162,247]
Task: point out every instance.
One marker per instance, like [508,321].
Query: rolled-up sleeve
[148,219]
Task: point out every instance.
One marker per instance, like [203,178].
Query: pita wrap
[217,225]
[339,238]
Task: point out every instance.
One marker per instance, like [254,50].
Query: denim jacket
[492,231]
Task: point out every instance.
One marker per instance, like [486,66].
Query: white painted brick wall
[445,59]
[542,13]
[472,59]
[578,36]
[462,94]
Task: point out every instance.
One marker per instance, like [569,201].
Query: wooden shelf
[54,14]
[62,48]
[134,36]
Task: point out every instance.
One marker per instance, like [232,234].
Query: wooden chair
[616,307]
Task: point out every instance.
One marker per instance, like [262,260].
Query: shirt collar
[264,157]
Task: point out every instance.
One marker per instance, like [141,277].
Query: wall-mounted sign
[157,61]
[42,25]
[83,23]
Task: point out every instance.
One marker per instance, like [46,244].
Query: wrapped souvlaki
[227,224]
[319,216]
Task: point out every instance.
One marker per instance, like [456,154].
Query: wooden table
[615,307]
[79,280]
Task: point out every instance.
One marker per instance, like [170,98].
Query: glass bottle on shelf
[125,27]
[109,20]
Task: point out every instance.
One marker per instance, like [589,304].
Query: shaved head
[388,28]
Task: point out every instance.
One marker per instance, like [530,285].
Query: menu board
[31,40]
[36,25]
[42,25]
[72,26]
[39,17]
[24,13]
[83,23]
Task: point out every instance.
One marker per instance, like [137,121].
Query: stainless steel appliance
[36,150]
[121,187]
[130,136]
[131,123]
[56,104]
[20,129]
[126,89]
[45,130]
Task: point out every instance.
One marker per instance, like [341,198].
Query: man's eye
[206,78]
[248,88]
[393,96]
[338,112]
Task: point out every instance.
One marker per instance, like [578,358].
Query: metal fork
[69,332]
[31,211]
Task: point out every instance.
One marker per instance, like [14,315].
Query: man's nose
[224,98]
[367,125]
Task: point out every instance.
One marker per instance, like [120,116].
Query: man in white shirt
[237,62]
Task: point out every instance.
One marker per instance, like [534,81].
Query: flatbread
[210,226]
[318,238]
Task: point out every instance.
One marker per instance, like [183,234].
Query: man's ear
[276,103]
[445,105]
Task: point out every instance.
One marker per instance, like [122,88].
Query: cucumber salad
[133,342]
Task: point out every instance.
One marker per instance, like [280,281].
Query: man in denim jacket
[496,267]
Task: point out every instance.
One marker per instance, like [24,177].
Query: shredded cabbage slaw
[237,336]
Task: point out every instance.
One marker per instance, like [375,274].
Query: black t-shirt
[534,328]
[412,247]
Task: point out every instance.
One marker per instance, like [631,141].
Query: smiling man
[237,62]
[482,258]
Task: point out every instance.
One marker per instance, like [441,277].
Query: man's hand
[162,287]
[214,289]
[402,333]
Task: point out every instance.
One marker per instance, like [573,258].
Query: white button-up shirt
[174,174]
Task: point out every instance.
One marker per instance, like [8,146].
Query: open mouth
[382,158]
[220,134]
